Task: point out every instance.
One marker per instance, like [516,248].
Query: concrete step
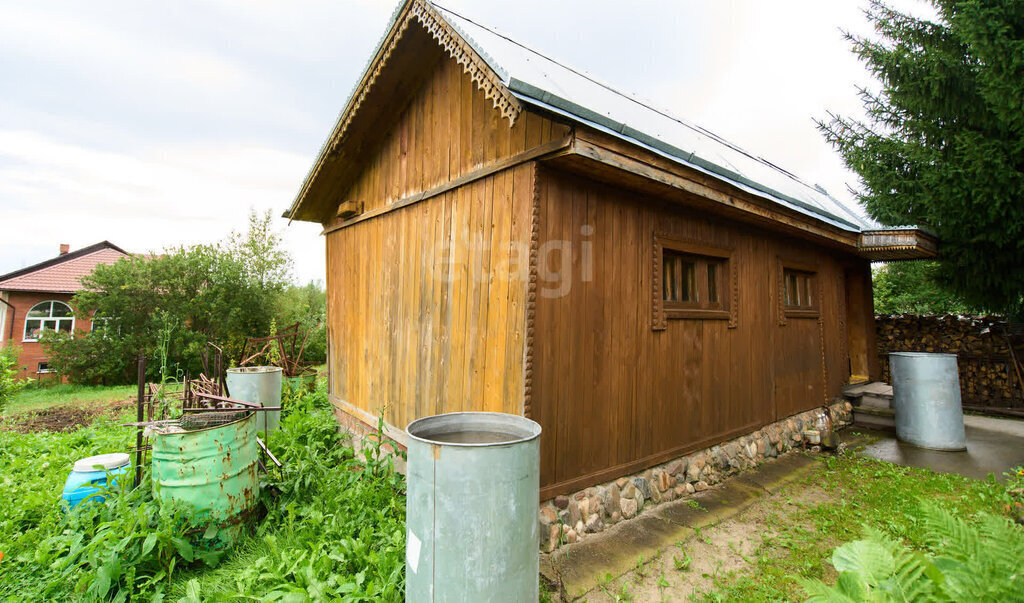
[874,418]
[872,401]
[875,388]
[870,395]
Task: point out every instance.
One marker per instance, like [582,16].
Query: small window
[53,315]
[694,280]
[799,291]
[44,367]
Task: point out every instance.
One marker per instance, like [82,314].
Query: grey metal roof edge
[487,58]
[532,95]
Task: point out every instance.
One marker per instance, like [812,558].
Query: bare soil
[67,417]
[729,546]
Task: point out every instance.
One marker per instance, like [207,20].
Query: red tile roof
[62,274]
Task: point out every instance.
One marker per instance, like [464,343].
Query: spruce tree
[943,143]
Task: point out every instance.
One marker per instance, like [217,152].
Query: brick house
[39,297]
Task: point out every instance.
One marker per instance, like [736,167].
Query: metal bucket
[211,470]
[926,398]
[259,385]
[473,486]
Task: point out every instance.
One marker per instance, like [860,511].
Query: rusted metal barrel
[926,398]
[473,487]
[211,470]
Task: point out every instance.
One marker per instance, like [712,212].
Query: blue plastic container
[89,476]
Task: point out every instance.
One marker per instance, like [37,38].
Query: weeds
[333,525]
[682,564]
[863,493]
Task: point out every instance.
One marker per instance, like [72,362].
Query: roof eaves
[430,16]
[551,102]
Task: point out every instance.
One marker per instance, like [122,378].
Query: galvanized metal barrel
[473,488]
[926,398]
[211,470]
[259,385]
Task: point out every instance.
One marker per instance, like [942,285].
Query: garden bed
[333,525]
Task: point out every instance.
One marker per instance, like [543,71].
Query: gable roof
[63,273]
[515,76]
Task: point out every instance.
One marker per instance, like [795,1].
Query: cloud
[153,198]
[156,124]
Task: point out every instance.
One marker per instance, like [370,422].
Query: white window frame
[54,321]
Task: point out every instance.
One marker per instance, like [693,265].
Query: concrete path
[581,567]
[993,446]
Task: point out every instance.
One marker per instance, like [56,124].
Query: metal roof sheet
[62,274]
[544,82]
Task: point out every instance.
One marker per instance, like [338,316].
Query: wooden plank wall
[426,303]
[613,395]
[448,130]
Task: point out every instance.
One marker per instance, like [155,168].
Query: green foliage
[8,370]
[943,144]
[968,563]
[183,298]
[916,288]
[333,525]
[274,354]
[855,492]
[307,305]
[38,394]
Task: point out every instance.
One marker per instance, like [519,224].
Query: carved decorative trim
[658,319]
[472,63]
[531,294]
[783,262]
[734,305]
[659,316]
[457,48]
[780,289]
[368,81]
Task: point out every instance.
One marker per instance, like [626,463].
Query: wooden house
[507,234]
[38,297]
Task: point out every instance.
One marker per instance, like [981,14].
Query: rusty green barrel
[211,470]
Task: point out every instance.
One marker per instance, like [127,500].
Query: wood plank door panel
[798,367]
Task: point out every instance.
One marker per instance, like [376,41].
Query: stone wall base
[570,518]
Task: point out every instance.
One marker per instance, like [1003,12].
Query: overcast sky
[159,124]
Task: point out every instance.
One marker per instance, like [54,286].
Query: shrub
[8,370]
[222,293]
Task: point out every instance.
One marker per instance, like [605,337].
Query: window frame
[808,283]
[49,318]
[702,256]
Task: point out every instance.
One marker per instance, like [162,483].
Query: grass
[333,525]
[862,492]
[39,397]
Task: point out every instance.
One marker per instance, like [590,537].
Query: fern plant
[979,562]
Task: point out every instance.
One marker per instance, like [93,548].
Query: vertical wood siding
[611,393]
[448,129]
[427,303]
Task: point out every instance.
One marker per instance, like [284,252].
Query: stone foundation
[571,518]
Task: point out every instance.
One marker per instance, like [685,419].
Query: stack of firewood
[988,376]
